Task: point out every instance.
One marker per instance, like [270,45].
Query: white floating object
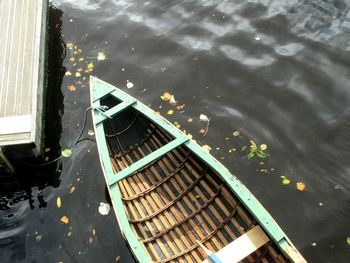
[129,84]
[203,117]
[101,56]
[104,208]
[257,38]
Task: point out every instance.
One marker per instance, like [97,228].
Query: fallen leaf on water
[285,180]
[38,238]
[206,148]
[72,88]
[263,147]
[64,219]
[129,84]
[70,45]
[104,208]
[180,107]
[46,158]
[69,234]
[68,73]
[77,74]
[66,153]
[90,65]
[91,132]
[202,131]
[170,112]
[166,96]
[101,56]
[94,232]
[189,120]
[72,189]
[314,244]
[203,117]
[236,133]
[117,258]
[72,59]
[58,202]
[90,240]
[348,240]
[300,186]
[47,149]
[172,100]
[80,69]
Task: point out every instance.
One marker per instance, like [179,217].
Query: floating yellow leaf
[75,52]
[77,74]
[46,158]
[64,219]
[117,258]
[286,181]
[90,240]
[90,65]
[70,45]
[66,153]
[300,186]
[58,202]
[80,69]
[263,147]
[348,240]
[69,234]
[166,96]
[94,232]
[72,88]
[80,50]
[68,73]
[206,148]
[170,112]
[236,133]
[72,189]
[189,120]
[72,59]
[47,149]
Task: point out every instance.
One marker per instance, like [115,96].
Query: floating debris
[104,208]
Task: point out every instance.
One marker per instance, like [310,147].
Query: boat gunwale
[248,200]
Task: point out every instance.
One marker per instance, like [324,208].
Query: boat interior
[177,199]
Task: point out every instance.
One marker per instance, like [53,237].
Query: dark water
[277,71]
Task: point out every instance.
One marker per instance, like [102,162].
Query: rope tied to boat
[77,140]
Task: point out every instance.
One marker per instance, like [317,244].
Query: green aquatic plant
[254,150]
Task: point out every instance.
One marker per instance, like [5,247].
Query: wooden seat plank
[242,246]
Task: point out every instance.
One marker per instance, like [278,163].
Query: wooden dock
[23,25]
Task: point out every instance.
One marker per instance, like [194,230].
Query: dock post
[4,162]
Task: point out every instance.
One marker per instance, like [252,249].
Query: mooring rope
[77,141]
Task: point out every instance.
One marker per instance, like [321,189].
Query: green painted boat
[174,201]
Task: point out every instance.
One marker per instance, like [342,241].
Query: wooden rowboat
[175,202]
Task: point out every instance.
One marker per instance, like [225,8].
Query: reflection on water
[277,71]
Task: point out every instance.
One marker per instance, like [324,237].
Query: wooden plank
[113,111]
[22,42]
[242,246]
[146,160]
[15,124]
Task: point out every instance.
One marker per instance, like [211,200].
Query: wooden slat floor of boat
[177,200]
